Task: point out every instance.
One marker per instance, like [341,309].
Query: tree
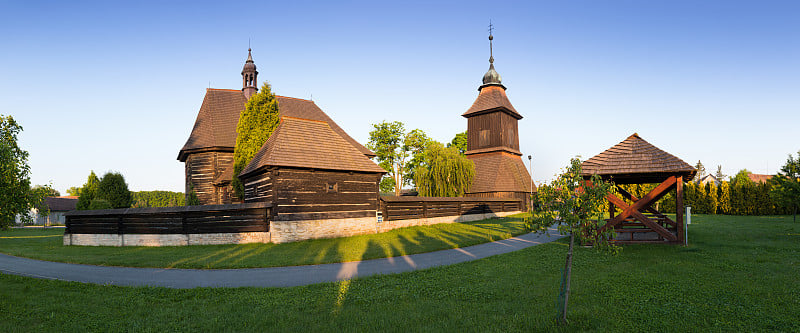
[459,142]
[719,175]
[570,201]
[256,123]
[741,178]
[415,143]
[786,185]
[724,198]
[112,188]
[701,171]
[88,192]
[74,191]
[157,199]
[191,197]
[98,203]
[396,150]
[47,190]
[16,194]
[443,172]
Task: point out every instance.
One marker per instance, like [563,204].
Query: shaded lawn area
[738,274]
[46,244]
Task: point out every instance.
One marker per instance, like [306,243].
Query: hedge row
[743,198]
[157,199]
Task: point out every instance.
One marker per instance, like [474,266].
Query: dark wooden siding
[171,220]
[201,170]
[494,129]
[404,208]
[260,187]
[305,194]
[523,197]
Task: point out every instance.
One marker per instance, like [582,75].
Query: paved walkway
[262,277]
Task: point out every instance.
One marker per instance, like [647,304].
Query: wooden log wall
[494,129]
[201,170]
[299,194]
[171,220]
[404,208]
[523,197]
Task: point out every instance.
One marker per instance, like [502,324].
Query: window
[332,187]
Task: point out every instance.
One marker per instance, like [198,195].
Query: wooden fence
[403,208]
[250,217]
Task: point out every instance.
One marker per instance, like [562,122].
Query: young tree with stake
[569,202]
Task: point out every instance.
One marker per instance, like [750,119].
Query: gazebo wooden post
[679,210]
[611,210]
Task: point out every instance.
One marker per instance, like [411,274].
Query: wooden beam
[648,208]
[627,211]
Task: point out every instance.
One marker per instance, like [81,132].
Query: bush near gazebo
[742,198]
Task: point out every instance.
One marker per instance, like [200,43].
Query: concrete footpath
[262,277]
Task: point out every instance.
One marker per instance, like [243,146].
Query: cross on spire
[491,56]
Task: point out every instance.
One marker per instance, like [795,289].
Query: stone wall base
[293,231]
[165,239]
[280,232]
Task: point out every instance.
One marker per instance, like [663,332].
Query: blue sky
[106,86]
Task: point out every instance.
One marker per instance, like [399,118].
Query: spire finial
[491,77]
[491,56]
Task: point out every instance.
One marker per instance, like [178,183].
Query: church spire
[491,77]
[249,76]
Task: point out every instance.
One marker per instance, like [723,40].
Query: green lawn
[46,244]
[739,274]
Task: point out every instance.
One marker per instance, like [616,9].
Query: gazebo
[636,161]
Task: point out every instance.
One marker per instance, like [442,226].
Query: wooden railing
[403,208]
[248,217]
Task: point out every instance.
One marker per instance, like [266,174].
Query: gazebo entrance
[636,161]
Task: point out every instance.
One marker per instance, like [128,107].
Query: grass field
[46,244]
[738,274]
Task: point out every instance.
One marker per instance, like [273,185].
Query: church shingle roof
[491,98]
[305,143]
[635,160]
[215,126]
[499,172]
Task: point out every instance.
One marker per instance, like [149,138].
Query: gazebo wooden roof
[636,161]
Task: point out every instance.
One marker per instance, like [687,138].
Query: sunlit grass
[738,274]
[46,244]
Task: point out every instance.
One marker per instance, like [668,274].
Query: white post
[686,227]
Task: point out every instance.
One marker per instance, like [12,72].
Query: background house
[57,205]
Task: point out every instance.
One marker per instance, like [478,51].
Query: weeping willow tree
[443,172]
[256,123]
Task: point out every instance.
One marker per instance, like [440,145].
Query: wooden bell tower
[493,141]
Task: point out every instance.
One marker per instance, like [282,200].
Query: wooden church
[493,142]
[306,145]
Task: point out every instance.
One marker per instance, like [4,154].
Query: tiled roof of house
[215,126]
[634,160]
[499,172]
[709,178]
[61,204]
[489,99]
[759,178]
[305,143]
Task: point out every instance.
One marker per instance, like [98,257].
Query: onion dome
[249,65]
[492,77]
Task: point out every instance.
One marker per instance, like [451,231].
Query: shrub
[100,204]
[113,188]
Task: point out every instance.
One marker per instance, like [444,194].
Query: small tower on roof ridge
[249,76]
